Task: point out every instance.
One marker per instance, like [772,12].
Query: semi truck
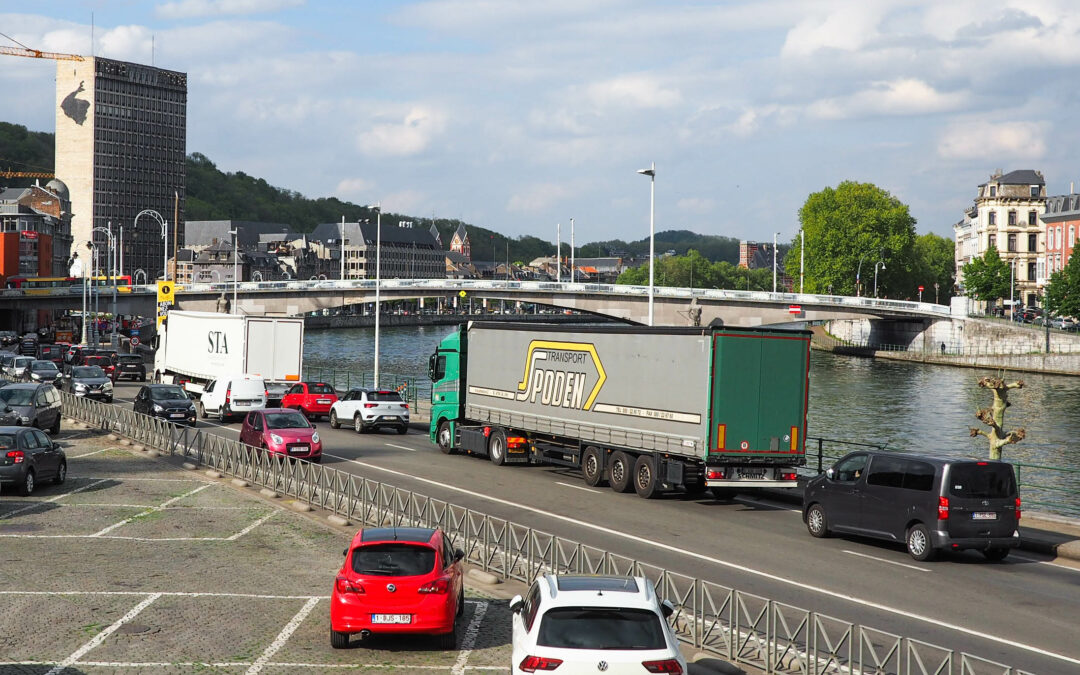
[642,409]
[195,348]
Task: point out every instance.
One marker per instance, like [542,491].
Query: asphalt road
[1021,612]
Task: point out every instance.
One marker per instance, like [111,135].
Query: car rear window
[320,389]
[7,442]
[398,560]
[130,359]
[982,481]
[384,396]
[248,388]
[600,628]
[286,420]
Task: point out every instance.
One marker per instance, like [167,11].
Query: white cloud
[908,96]
[190,9]
[850,27]
[409,137]
[998,141]
[537,198]
[634,91]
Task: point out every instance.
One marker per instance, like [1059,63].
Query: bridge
[672,306]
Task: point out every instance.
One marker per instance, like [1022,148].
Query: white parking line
[811,588]
[52,499]
[125,521]
[576,487]
[891,562]
[400,447]
[87,454]
[283,636]
[250,527]
[100,637]
[469,640]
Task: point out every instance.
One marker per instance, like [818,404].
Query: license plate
[177,415]
[392,418]
[752,473]
[983,515]
[300,450]
[391,618]
[244,401]
[322,401]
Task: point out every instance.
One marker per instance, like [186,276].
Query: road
[1021,612]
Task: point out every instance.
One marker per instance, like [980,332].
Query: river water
[907,406]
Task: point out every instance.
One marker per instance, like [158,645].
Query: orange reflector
[292,378]
[721,436]
[794,438]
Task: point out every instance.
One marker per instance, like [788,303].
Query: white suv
[591,624]
[232,396]
[369,409]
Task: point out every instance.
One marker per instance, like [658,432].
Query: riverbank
[368,320]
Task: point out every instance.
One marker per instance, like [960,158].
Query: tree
[994,416]
[849,224]
[986,278]
[1063,289]
[934,263]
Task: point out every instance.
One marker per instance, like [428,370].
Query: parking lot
[134,566]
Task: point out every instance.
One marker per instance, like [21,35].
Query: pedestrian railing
[734,625]
[412,389]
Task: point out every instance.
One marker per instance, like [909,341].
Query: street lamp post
[109,253]
[858,277]
[1012,286]
[573,276]
[651,173]
[342,247]
[558,252]
[802,260]
[378,279]
[775,235]
[879,264]
[164,236]
[236,259]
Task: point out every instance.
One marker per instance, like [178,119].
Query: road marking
[87,454]
[101,637]
[891,562]
[1044,562]
[469,640]
[401,447]
[576,487]
[125,521]
[52,499]
[724,563]
[177,594]
[251,527]
[283,636]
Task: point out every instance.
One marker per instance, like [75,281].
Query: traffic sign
[920,289]
[134,332]
[794,309]
[461,293]
[134,341]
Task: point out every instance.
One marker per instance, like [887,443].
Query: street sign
[461,293]
[165,298]
[134,332]
[134,341]
[920,289]
[794,309]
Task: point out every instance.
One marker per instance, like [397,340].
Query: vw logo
[602,666]
[391,588]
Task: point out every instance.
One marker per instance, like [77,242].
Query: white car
[588,624]
[233,396]
[368,409]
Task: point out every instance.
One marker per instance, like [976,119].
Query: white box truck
[195,348]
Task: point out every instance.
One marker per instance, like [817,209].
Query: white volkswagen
[588,624]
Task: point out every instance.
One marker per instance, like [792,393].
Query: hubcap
[496,449]
[29,482]
[63,471]
[815,520]
[357,424]
[590,465]
[917,542]
[617,470]
[644,476]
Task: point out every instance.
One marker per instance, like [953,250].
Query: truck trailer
[643,409]
[195,348]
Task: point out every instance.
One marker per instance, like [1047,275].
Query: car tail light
[266,393]
[714,474]
[228,394]
[664,666]
[440,586]
[531,664]
[789,476]
[345,586]
[18,457]
[514,442]
[405,405]
[371,405]
[942,508]
[1018,508]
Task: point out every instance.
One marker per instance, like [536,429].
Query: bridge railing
[740,627]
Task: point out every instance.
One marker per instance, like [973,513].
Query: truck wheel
[497,447]
[444,438]
[621,470]
[645,483]
[334,423]
[592,467]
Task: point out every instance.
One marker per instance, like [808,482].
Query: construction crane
[23,50]
[26,174]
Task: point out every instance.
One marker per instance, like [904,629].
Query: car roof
[422,535]
[936,461]
[576,590]
[23,385]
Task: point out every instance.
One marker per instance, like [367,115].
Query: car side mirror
[459,555]
[8,409]
[666,608]
[344,551]
[516,604]
[830,473]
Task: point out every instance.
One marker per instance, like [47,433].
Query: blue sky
[519,115]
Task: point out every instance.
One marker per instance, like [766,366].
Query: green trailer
[644,409]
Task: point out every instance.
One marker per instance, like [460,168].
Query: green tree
[986,278]
[934,263]
[1063,290]
[850,224]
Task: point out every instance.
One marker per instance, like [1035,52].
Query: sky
[518,115]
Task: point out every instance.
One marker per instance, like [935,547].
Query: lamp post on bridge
[164,236]
[651,173]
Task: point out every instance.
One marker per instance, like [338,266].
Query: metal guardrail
[734,625]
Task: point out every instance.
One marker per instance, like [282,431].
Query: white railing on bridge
[523,287]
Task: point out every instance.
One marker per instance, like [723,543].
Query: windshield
[167,393]
[601,628]
[97,359]
[43,366]
[87,371]
[130,359]
[399,560]
[13,396]
[286,420]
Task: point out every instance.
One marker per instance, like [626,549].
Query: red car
[311,398]
[398,580]
[280,431]
[104,362]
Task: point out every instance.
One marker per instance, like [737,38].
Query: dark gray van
[930,504]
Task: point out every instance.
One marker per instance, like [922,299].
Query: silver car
[18,367]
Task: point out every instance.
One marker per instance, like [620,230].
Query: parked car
[371,409]
[577,623]
[16,370]
[51,352]
[28,456]
[398,580]
[930,504]
[230,396]
[89,381]
[313,399]
[281,431]
[43,371]
[129,365]
[38,405]
[167,401]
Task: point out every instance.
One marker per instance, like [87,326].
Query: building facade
[406,252]
[1062,222]
[121,143]
[35,231]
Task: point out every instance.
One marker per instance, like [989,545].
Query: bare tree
[994,416]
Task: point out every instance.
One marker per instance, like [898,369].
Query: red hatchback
[311,398]
[398,580]
[280,431]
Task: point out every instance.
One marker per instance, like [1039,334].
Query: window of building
[1012,218]
[1050,239]
[992,218]
[993,240]
[1032,271]
[1060,240]
[1033,242]
[1035,190]
[993,191]
[1012,242]
[1072,235]
[1033,218]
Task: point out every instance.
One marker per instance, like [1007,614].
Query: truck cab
[445,368]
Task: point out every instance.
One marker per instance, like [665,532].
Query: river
[907,406]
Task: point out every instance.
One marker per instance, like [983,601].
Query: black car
[8,337]
[28,345]
[89,381]
[43,371]
[930,504]
[28,456]
[129,365]
[167,401]
[38,405]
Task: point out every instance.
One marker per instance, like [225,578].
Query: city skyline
[517,117]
